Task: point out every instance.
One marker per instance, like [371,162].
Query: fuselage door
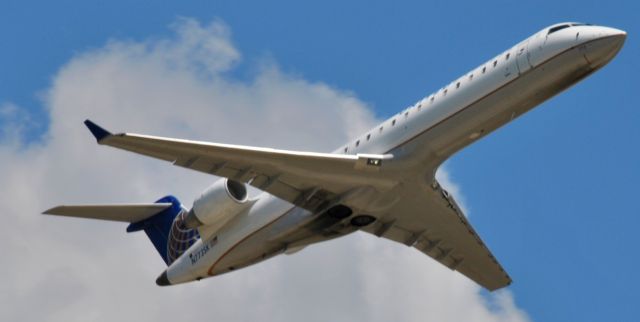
[522,56]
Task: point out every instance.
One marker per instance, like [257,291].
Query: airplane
[382,182]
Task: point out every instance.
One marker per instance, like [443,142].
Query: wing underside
[429,219]
[306,179]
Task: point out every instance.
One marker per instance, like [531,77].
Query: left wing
[429,219]
[306,179]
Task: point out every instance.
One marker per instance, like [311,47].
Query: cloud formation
[60,269]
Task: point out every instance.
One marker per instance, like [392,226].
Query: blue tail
[166,230]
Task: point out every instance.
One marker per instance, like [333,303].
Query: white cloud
[59,269]
[14,122]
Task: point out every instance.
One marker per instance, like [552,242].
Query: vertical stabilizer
[166,230]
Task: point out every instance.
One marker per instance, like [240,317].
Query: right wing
[119,212]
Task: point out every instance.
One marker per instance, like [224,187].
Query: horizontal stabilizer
[119,212]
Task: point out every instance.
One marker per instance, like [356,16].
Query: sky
[552,193]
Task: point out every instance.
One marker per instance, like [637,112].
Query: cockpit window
[560,27]
[556,28]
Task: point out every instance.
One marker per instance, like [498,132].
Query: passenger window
[345,149]
[458,85]
[381,128]
[406,114]
[431,99]
[393,122]
[495,63]
[507,57]
[368,137]
[358,143]
[445,91]
[484,69]
[470,76]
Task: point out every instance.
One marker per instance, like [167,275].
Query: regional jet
[381,182]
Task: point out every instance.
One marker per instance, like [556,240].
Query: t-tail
[162,221]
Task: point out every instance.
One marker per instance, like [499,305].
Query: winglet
[96,130]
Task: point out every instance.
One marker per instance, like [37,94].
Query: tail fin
[166,230]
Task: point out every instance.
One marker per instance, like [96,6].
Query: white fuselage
[420,138]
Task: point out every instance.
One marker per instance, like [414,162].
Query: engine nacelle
[218,204]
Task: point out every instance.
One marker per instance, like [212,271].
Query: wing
[121,212]
[429,219]
[306,179]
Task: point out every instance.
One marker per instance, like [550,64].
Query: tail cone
[163,280]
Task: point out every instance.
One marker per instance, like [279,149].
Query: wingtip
[51,211]
[98,132]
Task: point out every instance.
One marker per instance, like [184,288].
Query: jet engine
[218,204]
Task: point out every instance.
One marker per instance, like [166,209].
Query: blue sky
[553,193]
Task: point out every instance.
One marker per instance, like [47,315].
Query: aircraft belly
[246,253]
[290,233]
[295,226]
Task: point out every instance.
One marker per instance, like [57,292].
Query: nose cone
[612,32]
[614,38]
[606,46]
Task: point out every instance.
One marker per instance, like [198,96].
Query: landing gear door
[522,57]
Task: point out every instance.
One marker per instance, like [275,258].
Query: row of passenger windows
[431,100]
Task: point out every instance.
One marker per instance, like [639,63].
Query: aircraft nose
[613,32]
[607,44]
[614,37]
